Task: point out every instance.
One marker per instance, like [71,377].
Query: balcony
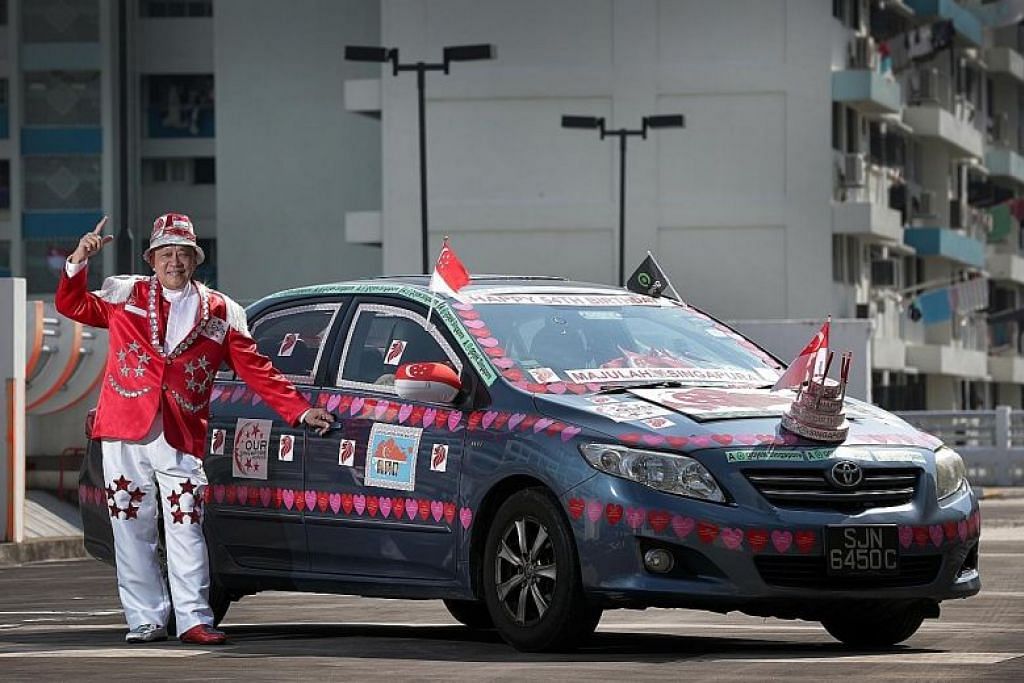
[867,91]
[1005,60]
[1005,360]
[930,112]
[1005,163]
[892,331]
[946,243]
[964,22]
[862,206]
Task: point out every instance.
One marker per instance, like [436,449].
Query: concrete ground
[62,621]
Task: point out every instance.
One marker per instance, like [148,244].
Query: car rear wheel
[471,613]
[532,585]
[874,626]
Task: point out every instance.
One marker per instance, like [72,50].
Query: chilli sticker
[439,458]
[391,456]
[544,375]
[347,453]
[250,452]
[286,448]
[217,439]
[288,345]
[395,351]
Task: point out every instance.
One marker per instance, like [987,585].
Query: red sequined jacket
[140,380]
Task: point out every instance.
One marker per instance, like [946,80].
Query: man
[168,336]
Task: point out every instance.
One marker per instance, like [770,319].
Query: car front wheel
[874,626]
[532,585]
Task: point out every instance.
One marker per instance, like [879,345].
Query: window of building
[207,271]
[159,9]
[44,259]
[62,182]
[62,98]
[204,171]
[845,259]
[179,106]
[5,184]
[5,258]
[60,21]
[3,12]
[837,126]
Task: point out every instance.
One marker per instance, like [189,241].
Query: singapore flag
[814,353]
[449,274]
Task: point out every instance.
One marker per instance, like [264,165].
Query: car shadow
[460,644]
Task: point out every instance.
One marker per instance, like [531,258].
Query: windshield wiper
[619,388]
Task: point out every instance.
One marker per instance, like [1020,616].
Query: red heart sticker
[576,506]
[707,532]
[658,520]
[613,513]
[805,540]
[346,503]
[758,539]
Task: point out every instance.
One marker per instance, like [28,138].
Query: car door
[390,472]
[255,463]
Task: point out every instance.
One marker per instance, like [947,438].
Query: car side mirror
[430,382]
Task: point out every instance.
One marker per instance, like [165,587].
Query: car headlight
[676,474]
[950,472]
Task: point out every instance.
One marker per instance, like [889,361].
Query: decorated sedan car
[535,451]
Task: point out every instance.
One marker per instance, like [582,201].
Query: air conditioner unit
[883,273]
[862,53]
[854,170]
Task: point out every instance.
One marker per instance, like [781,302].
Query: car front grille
[810,572]
[810,489]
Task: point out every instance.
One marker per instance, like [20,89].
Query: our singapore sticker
[252,444]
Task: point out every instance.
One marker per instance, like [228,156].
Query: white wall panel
[575,254]
[724,31]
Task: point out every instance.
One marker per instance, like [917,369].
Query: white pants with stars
[137,474]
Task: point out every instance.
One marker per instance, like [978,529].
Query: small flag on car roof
[450,275]
[812,359]
[650,279]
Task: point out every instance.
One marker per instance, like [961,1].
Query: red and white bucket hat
[174,228]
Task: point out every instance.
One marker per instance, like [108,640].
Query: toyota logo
[846,474]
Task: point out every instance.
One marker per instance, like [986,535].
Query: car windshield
[611,338]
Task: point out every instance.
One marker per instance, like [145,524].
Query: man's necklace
[154,325]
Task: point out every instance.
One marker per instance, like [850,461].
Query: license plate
[862,550]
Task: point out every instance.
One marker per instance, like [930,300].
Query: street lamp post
[597,123]
[454,53]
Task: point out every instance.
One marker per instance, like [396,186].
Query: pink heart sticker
[634,517]
[242,494]
[266,495]
[557,388]
[653,439]
[382,407]
[404,412]
[541,424]
[218,492]
[504,362]
[466,517]
[335,502]
[569,432]
[474,324]
[935,533]
[411,507]
[332,402]
[288,497]
[385,506]
[357,406]
[732,538]
[428,417]
[215,394]
[683,526]
[237,394]
[782,540]
[961,528]
[906,536]
[488,419]
[594,510]
[436,510]
[454,418]
[310,497]
[256,399]
[359,503]
[488,342]
[514,421]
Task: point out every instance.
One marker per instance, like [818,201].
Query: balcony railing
[990,441]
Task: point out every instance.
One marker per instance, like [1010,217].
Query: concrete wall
[517,192]
[290,160]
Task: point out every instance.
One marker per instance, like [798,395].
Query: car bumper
[738,556]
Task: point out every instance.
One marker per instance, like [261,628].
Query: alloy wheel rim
[525,571]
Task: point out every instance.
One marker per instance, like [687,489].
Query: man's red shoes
[203,634]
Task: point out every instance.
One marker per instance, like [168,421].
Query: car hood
[711,417]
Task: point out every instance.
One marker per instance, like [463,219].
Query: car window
[293,339]
[383,337]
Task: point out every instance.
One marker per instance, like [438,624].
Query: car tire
[874,626]
[531,583]
[471,613]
